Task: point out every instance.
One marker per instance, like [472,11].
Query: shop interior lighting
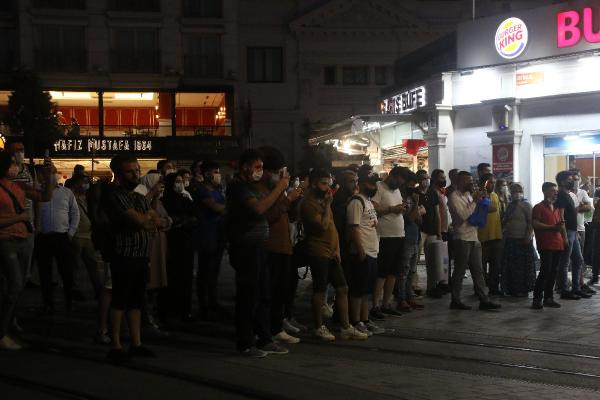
[572,137]
[148,96]
[388,124]
[70,95]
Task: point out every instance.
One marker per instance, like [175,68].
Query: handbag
[17,207]
[479,216]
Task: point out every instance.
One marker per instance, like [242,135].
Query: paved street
[517,353]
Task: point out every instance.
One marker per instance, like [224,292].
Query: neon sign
[511,38]
[405,102]
[569,30]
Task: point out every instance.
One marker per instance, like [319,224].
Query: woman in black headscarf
[180,250]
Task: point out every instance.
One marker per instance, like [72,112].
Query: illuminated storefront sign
[106,146]
[571,27]
[511,38]
[405,102]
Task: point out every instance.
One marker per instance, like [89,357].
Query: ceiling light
[70,95]
[134,96]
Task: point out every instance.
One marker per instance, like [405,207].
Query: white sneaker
[361,327]
[324,334]
[6,343]
[374,328]
[289,327]
[283,337]
[327,311]
[352,333]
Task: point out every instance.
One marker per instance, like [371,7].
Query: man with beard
[247,229]
[131,220]
[467,248]
[324,253]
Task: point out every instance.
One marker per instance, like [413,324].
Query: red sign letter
[588,27]
[567,23]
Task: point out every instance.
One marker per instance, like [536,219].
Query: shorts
[324,271]
[362,276]
[389,260]
[129,279]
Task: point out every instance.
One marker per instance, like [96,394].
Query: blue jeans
[410,256]
[573,255]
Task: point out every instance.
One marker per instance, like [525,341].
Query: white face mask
[20,157]
[216,179]
[179,187]
[257,175]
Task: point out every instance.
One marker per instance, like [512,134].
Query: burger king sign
[511,38]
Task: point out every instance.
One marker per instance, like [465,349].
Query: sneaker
[352,333]
[456,305]
[583,294]
[537,305]
[6,343]
[376,315]
[118,356]
[141,351]
[298,325]
[324,334]
[327,311]
[289,327]
[361,327]
[415,306]
[274,348]
[253,352]
[403,306]
[102,338]
[374,328]
[569,296]
[551,303]
[283,337]
[488,305]
[390,312]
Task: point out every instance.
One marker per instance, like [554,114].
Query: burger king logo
[511,38]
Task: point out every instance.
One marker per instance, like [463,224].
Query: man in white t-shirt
[583,204]
[364,247]
[390,227]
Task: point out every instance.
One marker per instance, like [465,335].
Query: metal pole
[473,10]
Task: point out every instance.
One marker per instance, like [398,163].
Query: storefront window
[202,114]
[77,112]
[128,114]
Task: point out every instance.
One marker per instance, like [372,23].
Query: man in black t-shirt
[431,230]
[566,204]
[248,231]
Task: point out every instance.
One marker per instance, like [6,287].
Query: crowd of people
[147,241]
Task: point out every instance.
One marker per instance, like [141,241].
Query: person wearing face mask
[209,238]
[503,193]
[247,229]
[572,254]
[279,244]
[180,247]
[490,237]
[165,167]
[323,248]
[132,222]
[518,269]
[431,231]
[551,238]
[467,248]
[15,227]
[186,175]
[59,219]
[361,223]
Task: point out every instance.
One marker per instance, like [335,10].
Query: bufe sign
[405,102]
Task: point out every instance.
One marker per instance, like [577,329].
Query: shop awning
[356,124]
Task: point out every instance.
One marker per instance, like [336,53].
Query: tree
[31,113]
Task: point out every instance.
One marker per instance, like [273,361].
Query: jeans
[48,248]
[13,260]
[252,294]
[492,256]
[573,255]
[544,284]
[410,257]
[468,255]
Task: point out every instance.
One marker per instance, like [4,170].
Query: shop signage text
[569,30]
[503,161]
[511,38]
[405,102]
[105,146]
[529,78]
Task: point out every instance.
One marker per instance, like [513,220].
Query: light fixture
[571,137]
[147,96]
[70,95]
[388,124]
